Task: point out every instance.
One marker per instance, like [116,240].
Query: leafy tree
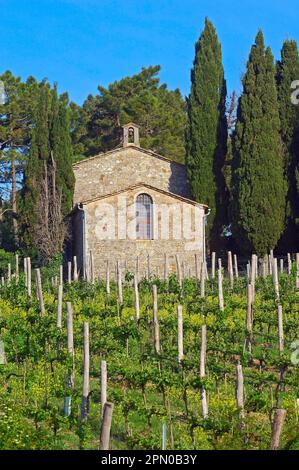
[160,113]
[287,72]
[207,130]
[259,186]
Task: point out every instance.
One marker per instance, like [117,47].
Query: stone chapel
[134,207]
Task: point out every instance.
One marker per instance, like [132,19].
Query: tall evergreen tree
[49,180]
[259,187]
[207,130]
[60,141]
[287,72]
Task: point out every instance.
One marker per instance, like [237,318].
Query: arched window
[144,217]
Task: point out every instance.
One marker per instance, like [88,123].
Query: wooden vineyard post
[28,265]
[281,267]
[297,270]
[25,272]
[107,278]
[203,352]
[103,387]
[230,269]
[213,264]
[136,299]
[39,291]
[69,272]
[61,275]
[119,283]
[179,269]
[180,334]
[220,290]
[75,269]
[240,391]
[264,268]
[202,280]
[85,392]
[275,278]
[156,322]
[236,266]
[166,267]
[280,329]
[277,425]
[248,270]
[59,306]
[8,273]
[249,316]
[253,274]
[289,264]
[70,343]
[17,268]
[106,426]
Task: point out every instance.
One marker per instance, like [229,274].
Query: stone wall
[125,167]
[113,239]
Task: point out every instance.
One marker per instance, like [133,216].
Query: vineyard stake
[213,264]
[180,334]
[61,275]
[39,291]
[275,277]
[203,352]
[75,271]
[59,306]
[17,268]
[85,393]
[156,322]
[289,264]
[119,284]
[136,298]
[202,280]
[69,272]
[280,329]
[240,391]
[230,269]
[179,270]
[277,425]
[106,426]
[9,273]
[220,290]
[107,278]
[236,266]
[103,387]
[28,264]
[70,343]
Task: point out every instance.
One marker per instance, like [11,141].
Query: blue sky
[83,43]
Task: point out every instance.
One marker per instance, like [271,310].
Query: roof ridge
[139,184]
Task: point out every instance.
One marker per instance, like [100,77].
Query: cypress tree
[49,179]
[259,187]
[206,134]
[60,141]
[38,155]
[287,72]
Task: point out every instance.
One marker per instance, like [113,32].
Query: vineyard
[175,363]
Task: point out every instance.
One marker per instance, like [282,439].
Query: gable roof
[125,149]
[144,185]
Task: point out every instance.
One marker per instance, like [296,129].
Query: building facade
[134,207]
